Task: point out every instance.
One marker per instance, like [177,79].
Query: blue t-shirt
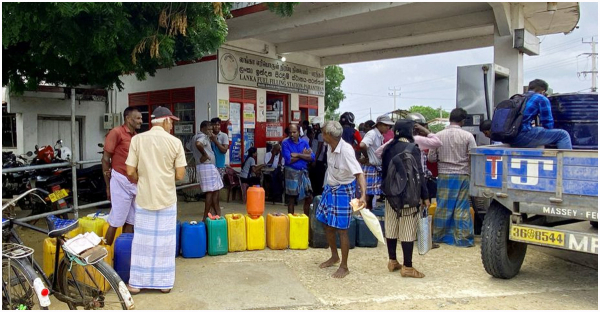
[220,157]
[288,147]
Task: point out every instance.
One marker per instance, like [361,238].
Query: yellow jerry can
[236,232]
[255,233]
[277,231]
[298,231]
[91,224]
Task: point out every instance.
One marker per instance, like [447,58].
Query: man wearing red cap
[156,160]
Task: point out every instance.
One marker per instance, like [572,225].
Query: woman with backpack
[401,220]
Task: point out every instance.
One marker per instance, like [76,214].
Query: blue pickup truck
[531,191]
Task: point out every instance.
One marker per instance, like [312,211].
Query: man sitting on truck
[538,105]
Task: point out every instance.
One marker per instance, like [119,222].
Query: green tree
[429,113]
[73,43]
[436,128]
[334,75]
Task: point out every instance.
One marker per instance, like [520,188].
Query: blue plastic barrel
[122,260]
[577,113]
[364,236]
[193,239]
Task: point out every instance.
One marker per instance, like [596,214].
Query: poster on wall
[248,141]
[234,113]
[235,149]
[274,130]
[249,116]
[223,109]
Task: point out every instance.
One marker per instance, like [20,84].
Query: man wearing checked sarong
[297,154]
[371,163]
[156,160]
[334,210]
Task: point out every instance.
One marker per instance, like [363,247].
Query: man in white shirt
[371,163]
[334,209]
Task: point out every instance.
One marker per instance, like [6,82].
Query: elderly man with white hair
[334,210]
[156,159]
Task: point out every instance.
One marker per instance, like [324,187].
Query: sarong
[153,248]
[297,183]
[373,177]
[334,208]
[209,177]
[122,199]
[452,222]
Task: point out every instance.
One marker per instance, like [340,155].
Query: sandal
[133,290]
[393,265]
[411,272]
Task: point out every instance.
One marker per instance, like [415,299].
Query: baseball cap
[163,112]
[384,119]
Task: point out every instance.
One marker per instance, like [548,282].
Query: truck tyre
[594,224]
[501,257]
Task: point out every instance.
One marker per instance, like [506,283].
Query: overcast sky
[430,80]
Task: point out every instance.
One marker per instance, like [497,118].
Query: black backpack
[402,185]
[508,117]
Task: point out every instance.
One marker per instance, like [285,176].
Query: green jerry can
[216,229]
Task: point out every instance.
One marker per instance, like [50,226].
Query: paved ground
[290,279]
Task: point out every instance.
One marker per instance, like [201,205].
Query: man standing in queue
[334,210]
[120,190]
[297,155]
[156,160]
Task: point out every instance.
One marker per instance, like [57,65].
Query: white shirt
[205,141]
[341,165]
[373,140]
[275,161]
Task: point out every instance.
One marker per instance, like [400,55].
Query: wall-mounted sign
[223,109]
[184,129]
[250,70]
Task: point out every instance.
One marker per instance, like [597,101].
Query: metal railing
[73,164]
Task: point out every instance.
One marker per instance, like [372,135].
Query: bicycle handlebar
[14,200]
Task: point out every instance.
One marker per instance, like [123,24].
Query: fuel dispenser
[479,89]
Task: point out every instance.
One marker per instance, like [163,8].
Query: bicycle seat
[58,226]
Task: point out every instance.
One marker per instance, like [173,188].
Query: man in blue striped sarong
[156,159]
[334,210]
[452,222]
[371,163]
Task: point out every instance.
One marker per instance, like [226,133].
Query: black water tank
[577,113]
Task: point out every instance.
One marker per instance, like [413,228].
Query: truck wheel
[594,224]
[501,257]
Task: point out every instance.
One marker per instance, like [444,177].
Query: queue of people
[330,158]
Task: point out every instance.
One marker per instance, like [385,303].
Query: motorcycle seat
[58,226]
[87,171]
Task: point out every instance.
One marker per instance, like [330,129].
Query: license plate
[60,194]
[538,236]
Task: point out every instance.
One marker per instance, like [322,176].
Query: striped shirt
[453,156]
[537,105]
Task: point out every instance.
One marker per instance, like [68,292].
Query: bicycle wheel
[94,286]
[17,286]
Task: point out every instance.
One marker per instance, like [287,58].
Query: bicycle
[86,283]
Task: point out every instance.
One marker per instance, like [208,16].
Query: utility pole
[394,94]
[370,114]
[594,70]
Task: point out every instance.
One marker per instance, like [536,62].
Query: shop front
[264,96]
